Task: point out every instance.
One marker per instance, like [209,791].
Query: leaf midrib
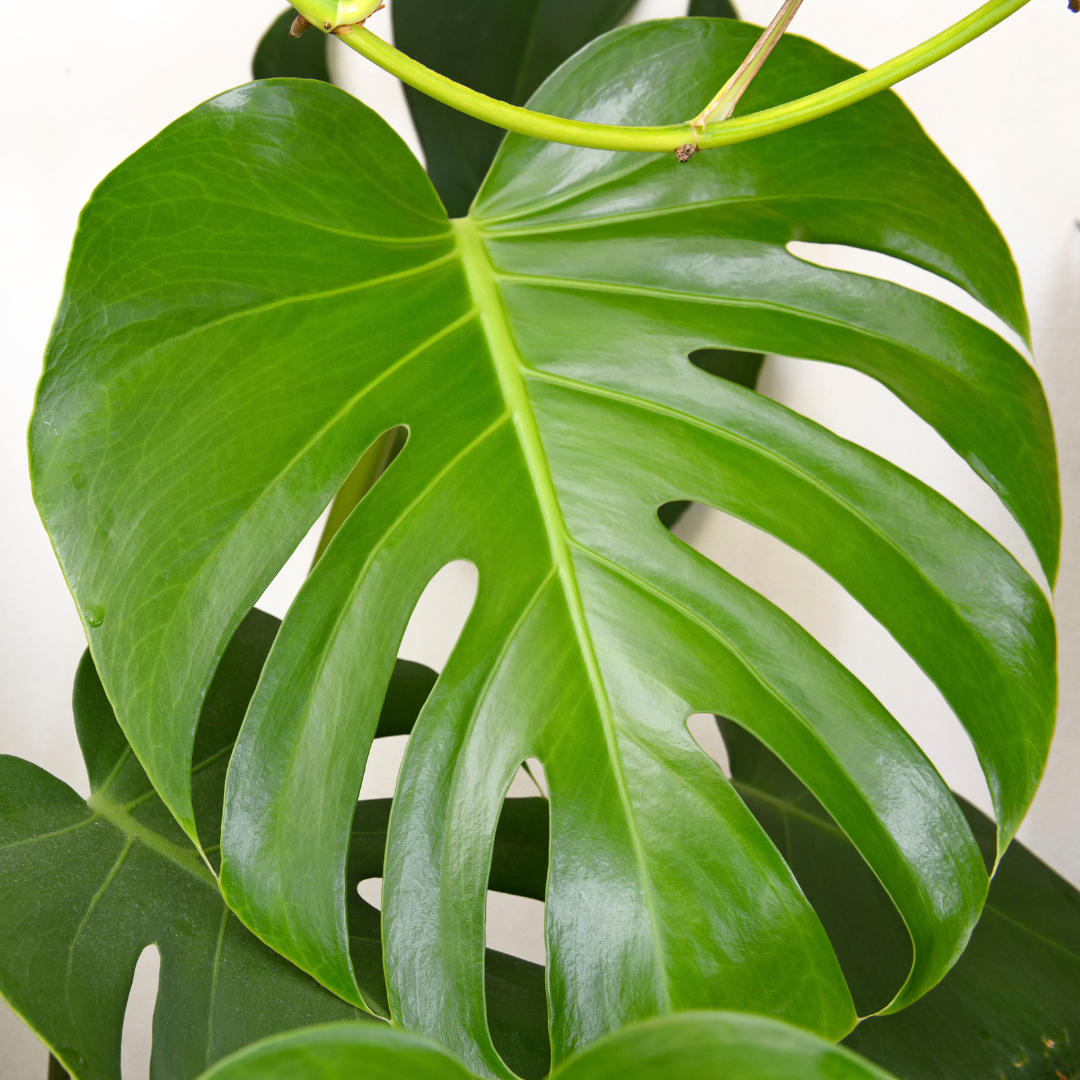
[509,369]
[134,829]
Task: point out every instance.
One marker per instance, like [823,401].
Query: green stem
[654,139]
[723,105]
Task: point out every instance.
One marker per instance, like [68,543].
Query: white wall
[87,90]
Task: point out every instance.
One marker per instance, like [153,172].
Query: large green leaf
[693,1046]
[503,48]
[271,283]
[84,887]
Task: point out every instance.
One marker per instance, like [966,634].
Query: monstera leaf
[271,284]
[84,887]
[693,1046]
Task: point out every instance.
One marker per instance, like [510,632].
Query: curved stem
[653,139]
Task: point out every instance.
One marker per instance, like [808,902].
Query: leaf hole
[376,458]
[514,928]
[430,636]
[860,409]
[889,268]
[705,732]
[735,365]
[861,921]
[529,781]
[370,891]
[137,1037]
[440,614]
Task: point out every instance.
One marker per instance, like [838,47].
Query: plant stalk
[670,137]
[723,105]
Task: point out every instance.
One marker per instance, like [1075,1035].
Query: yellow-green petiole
[653,139]
[723,105]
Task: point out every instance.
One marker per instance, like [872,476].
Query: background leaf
[1009,1007]
[85,887]
[714,9]
[280,56]
[503,48]
[207,956]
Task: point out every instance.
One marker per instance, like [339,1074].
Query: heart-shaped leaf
[271,283]
[692,1046]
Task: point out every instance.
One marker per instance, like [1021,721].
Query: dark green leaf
[280,56]
[713,9]
[85,887]
[1010,1006]
[503,48]
[235,333]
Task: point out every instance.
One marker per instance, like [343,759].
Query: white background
[86,90]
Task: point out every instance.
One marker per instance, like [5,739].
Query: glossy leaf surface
[230,342]
[503,48]
[280,56]
[85,887]
[690,1046]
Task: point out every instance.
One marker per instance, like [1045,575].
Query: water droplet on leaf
[95,614]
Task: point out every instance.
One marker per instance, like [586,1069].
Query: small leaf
[503,48]
[713,9]
[280,56]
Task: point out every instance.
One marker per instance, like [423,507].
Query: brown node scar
[299,25]
[685,152]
